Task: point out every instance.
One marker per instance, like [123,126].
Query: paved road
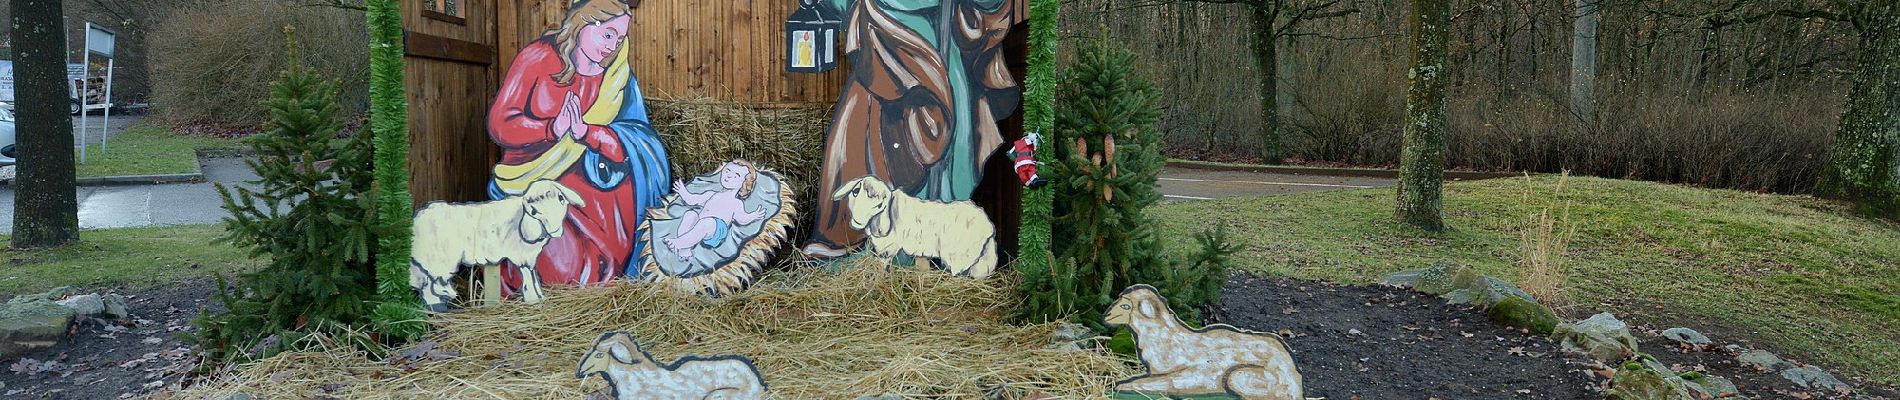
[148,205]
[1196,184]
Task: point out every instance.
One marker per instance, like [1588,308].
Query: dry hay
[865,331]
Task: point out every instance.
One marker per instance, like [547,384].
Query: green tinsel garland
[400,315]
[1039,117]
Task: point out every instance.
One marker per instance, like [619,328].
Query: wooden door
[450,70]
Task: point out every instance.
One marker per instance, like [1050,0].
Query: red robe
[599,237]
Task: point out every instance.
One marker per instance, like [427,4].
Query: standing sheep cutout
[631,373]
[957,234]
[448,236]
[1218,359]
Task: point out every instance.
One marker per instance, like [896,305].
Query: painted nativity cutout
[631,373]
[715,233]
[917,118]
[569,113]
[1216,360]
[958,235]
[515,229]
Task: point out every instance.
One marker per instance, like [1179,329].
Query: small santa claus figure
[1024,151]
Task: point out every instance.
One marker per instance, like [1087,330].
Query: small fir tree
[311,216]
[1103,176]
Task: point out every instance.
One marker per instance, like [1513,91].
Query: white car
[7,140]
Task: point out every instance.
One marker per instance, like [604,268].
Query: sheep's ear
[569,196]
[846,190]
[532,230]
[1148,308]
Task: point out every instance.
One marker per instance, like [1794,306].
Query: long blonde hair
[582,13]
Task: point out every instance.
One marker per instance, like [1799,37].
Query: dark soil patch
[1381,342]
[115,359]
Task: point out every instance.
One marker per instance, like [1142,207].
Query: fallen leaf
[153,340]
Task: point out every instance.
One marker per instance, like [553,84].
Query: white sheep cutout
[632,374]
[448,236]
[957,234]
[1212,360]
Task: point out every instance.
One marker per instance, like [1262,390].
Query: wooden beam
[417,44]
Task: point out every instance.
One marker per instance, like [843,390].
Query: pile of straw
[865,331]
[701,133]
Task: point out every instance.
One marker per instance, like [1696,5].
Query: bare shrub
[212,63]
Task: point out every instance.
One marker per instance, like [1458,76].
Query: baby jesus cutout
[711,215]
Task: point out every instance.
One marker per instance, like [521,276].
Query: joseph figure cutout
[928,85]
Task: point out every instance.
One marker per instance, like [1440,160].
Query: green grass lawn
[1797,274]
[135,258]
[148,149]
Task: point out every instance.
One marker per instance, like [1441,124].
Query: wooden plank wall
[450,79]
[729,49]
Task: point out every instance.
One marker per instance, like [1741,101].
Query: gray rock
[1712,387]
[1762,360]
[1070,337]
[1440,278]
[56,294]
[85,304]
[1686,336]
[1602,337]
[1406,278]
[1638,381]
[1813,377]
[28,325]
[1069,332]
[115,306]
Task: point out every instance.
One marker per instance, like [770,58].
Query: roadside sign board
[6,81]
[99,40]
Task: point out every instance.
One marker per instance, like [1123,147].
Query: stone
[1813,377]
[85,304]
[1602,337]
[1637,381]
[1712,387]
[1406,278]
[1762,360]
[1522,313]
[1069,337]
[28,325]
[56,294]
[1686,336]
[1438,279]
[115,306]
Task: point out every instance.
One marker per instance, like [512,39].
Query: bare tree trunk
[46,210]
[1583,59]
[1865,164]
[1422,161]
[1266,53]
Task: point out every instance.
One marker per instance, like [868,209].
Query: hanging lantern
[811,39]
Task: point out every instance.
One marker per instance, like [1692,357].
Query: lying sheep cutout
[1218,359]
[631,373]
[448,236]
[959,234]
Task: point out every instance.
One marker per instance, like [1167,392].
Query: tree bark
[1583,59]
[1863,167]
[1422,160]
[46,209]
[1266,54]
